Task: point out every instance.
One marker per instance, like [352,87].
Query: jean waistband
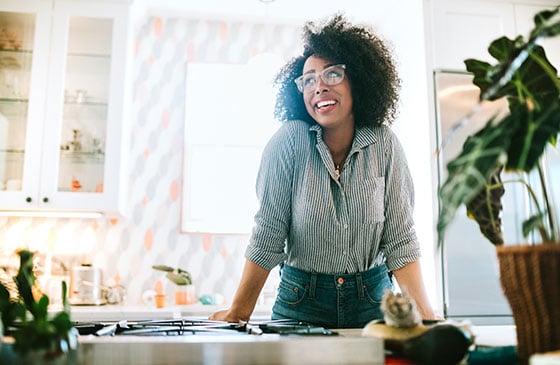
[326,280]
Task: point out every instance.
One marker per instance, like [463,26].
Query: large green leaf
[469,172]
[547,23]
[486,207]
[532,130]
[534,79]
[25,279]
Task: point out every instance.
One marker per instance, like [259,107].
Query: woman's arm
[252,281]
[411,281]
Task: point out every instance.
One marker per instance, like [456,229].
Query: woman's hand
[226,315]
[250,286]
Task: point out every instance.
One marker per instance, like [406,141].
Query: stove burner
[185,326]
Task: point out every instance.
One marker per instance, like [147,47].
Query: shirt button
[345,226]
[340,281]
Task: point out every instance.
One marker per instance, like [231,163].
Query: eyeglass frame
[299,80]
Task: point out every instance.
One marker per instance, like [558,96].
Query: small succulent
[177,275]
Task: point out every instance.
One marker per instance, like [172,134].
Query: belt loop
[312,285]
[360,285]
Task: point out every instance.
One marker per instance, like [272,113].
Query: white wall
[401,23]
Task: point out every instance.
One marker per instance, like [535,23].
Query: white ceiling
[276,10]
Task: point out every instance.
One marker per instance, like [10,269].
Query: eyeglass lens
[331,75]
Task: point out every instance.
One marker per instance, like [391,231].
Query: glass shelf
[12,155]
[10,107]
[86,104]
[88,63]
[90,157]
[87,110]
[90,55]
[15,58]
[13,100]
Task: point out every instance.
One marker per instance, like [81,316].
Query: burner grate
[186,326]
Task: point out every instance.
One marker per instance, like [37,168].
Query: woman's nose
[320,86]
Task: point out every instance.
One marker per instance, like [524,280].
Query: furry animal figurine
[422,342]
[399,310]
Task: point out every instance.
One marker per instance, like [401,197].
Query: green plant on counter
[177,275]
[514,144]
[26,319]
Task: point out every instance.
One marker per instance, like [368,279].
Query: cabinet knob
[45,200]
[28,199]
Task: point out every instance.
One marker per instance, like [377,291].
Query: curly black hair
[370,68]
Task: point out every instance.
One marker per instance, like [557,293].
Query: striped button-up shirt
[310,220]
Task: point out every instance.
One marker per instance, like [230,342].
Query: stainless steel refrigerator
[471,287]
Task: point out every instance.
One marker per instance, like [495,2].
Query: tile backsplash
[127,247]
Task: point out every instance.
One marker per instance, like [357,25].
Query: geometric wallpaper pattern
[126,248]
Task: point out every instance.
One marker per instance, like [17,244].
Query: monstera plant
[516,143]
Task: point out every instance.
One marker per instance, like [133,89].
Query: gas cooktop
[191,326]
[187,341]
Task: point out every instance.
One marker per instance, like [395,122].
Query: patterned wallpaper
[126,248]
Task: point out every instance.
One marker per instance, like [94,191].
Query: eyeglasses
[332,75]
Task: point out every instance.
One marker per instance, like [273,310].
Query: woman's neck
[339,142]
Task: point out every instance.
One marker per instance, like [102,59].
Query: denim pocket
[375,290]
[291,292]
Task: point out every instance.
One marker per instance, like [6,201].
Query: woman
[335,192]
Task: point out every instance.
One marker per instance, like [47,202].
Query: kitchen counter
[142,312]
[494,336]
[347,348]
[245,350]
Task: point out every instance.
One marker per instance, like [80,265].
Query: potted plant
[516,143]
[33,336]
[184,291]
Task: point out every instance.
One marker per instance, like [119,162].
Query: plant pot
[8,356]
[530,278]
[160,300]
[185,294]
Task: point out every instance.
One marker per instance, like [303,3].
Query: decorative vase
[530,278]
[185,294]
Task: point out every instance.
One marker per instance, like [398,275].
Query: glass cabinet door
[82,166]
[84,115]
[64,69]
[16,50]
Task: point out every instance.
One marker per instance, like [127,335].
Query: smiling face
[329,105]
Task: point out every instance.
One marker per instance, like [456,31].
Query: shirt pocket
[370,197]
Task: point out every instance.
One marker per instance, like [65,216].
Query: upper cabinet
[63,104]
[464,29]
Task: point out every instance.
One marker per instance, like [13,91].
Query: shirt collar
[363,136]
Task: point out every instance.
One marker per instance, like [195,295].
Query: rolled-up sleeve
[274,192]
[399,241]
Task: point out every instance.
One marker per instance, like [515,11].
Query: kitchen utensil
[86,286]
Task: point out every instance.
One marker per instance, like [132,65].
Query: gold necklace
[337,172]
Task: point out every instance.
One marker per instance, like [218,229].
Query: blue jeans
[331,301]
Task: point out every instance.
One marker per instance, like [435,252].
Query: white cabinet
[63,104]
[464,29]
